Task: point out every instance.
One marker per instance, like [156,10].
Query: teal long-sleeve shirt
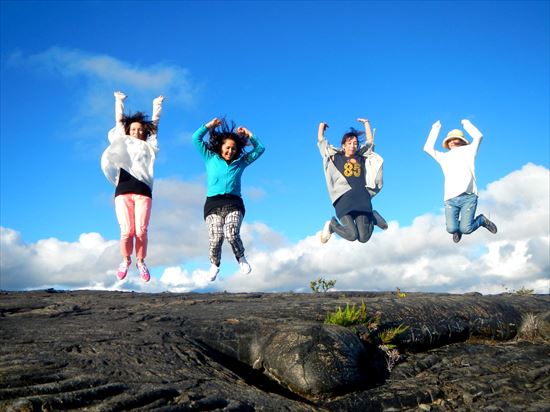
[225,178]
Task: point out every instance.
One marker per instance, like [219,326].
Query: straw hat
[454,134]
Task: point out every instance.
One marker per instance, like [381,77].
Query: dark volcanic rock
[112,351]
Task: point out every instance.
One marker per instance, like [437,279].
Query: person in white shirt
[128,163]
[458,166]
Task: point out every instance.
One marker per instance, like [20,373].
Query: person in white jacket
[458,166]
[353,176]
[128,164]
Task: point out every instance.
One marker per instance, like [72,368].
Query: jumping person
[458,166]
[353,175]
[225,160]
[128,164]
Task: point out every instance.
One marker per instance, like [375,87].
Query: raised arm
[157,108]
[258,147]
[368,131]
[432,137]
[119,111]
[474,132]
[199,134]
[321,132]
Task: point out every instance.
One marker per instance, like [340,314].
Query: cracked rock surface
[112,351]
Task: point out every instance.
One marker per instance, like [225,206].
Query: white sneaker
[326,233]
[245,267]
[213,272]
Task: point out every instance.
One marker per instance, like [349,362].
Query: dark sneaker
[457,236]
[490,226]
[379,220]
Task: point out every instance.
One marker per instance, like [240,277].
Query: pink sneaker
[123,269]
[143,271]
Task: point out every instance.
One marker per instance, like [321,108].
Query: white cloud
[255,193]
[180,280]
[423,256]
[419,257]
[52,262]
[102,69]
[91,80]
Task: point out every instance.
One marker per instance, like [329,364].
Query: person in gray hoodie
[353,176]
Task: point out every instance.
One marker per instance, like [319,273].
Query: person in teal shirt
[225,159]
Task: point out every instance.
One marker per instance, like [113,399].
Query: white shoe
[245,267]
[213,272]
[326,233]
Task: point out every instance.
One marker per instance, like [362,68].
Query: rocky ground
[115,351]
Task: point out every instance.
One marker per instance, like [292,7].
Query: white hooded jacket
[135,156]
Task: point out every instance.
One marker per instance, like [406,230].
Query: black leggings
[358,227]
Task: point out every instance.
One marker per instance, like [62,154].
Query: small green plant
[524,291]
[388,335]
[349,316]
[321,285]
[353,315]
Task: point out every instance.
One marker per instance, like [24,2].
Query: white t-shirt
[458,166]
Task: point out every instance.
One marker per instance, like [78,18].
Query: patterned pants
[224,222]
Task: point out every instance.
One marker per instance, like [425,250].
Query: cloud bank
[419,257]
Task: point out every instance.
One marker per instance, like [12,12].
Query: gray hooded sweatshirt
[337,183]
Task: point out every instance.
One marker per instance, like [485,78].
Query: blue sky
[279,68]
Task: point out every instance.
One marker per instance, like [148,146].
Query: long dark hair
[352,133]
[223,132]
[139,117]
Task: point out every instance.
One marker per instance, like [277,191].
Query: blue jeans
[463,206]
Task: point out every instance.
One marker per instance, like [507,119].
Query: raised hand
[321,133]
[119,95]
[215,122]
[244,131]
[158,100]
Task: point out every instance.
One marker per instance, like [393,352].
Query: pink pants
[133,213]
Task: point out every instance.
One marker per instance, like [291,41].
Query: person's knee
[231,233]
[127,233]
[349,234]
[365,237]
[452,228]
[141,232]
[466,228]
[232,238]
[217,241]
